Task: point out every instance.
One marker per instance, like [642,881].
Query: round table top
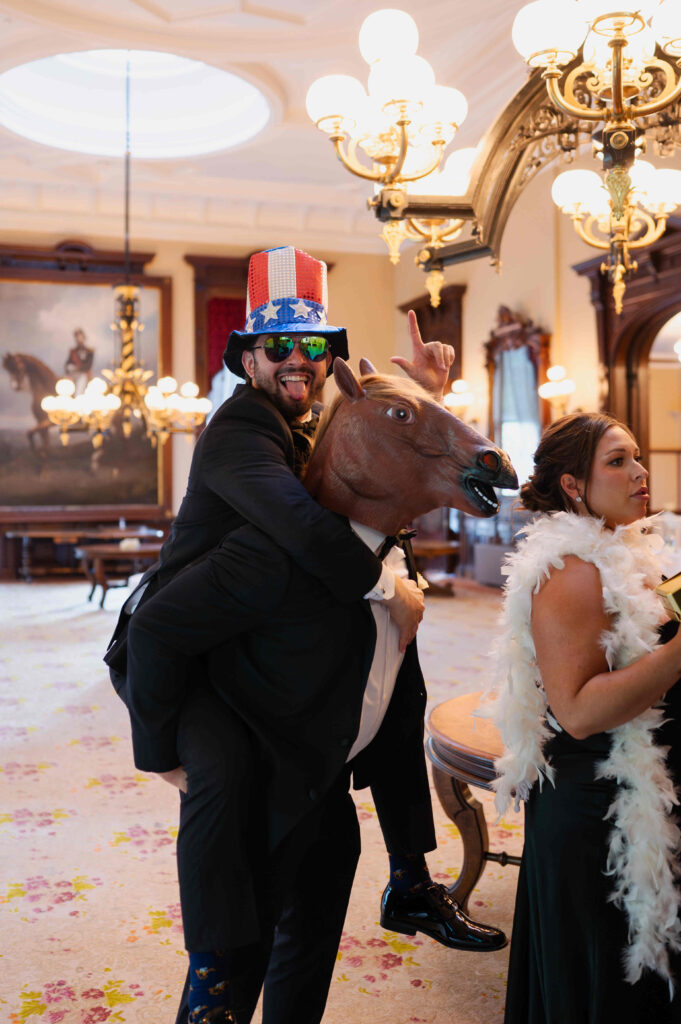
[453,726]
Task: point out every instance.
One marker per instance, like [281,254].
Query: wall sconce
[557,388]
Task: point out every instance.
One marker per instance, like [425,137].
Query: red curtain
[223,317]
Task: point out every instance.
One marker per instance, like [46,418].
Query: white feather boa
[645,841]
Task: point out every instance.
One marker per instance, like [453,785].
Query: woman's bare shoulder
[577,584]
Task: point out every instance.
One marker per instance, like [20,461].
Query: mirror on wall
[517,359]
[664,417]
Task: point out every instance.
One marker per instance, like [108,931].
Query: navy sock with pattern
[208,984]
[408,871]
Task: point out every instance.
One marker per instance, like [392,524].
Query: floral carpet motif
[89,907]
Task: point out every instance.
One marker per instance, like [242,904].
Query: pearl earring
[578,498]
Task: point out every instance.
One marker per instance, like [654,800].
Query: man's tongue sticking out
[295,385]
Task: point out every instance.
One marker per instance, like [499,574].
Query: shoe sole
[394,926]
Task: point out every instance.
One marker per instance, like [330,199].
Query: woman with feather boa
[582,679]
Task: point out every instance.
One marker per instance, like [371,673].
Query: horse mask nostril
[489,460]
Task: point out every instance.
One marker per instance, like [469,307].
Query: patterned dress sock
[208,983]
[408,872]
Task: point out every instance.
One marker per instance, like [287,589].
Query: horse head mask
[387,452]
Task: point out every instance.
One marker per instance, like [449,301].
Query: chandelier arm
[401,156]
[351,164]
[656,105]
[575,110]
[428,170]
[584,232]
[653,230]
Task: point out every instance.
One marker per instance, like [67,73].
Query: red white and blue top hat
[287,294]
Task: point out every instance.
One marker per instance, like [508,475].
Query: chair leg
[466,812]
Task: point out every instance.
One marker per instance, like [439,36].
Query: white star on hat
[300,308]
[270,311]
[249,322]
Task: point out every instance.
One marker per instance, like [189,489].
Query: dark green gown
[566,948]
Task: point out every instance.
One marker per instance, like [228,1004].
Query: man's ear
[248,362]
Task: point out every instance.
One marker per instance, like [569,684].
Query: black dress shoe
[217,1015]
[432,910]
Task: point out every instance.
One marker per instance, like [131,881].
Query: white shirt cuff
[385,586]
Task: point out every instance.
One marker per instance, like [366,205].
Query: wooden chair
[462,749]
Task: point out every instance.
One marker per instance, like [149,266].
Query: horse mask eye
[401,413]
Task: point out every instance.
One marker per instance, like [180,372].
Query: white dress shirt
[387,655]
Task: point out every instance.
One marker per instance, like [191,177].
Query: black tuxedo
[290,663]
[241,473]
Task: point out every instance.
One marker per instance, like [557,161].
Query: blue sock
[208,982]
[408,871]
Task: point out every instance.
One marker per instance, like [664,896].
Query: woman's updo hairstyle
[567,446]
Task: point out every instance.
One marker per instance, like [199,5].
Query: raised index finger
[416,342]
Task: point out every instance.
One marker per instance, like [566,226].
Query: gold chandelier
[395,132]
[613,76]
[623,77]
[125,394]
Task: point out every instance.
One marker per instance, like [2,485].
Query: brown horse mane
[378,387]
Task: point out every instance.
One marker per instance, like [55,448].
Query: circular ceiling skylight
[178,107]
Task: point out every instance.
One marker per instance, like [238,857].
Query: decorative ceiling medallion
[179,107]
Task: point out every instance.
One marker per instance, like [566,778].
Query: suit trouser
[294,901]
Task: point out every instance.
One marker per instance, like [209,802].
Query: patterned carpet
[89,911]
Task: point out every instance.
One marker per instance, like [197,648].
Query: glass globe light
[154,398]
[663,192]
[65,387]
[638,48]
[666,25]
[167,385]
[334,96]
[577,190]
[457,169]
[642,174]
[396,80]
[548,32]
[96,386]
[189,389]
[388,33]
[446,106]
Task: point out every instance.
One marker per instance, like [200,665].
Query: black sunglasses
[278,347]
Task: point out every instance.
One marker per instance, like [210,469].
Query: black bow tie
[401,540]
[308,428]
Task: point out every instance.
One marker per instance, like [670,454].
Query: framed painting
[55,321]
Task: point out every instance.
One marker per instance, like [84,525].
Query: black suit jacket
[241,473]
[292,661]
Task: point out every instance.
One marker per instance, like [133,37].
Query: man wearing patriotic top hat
[243,472]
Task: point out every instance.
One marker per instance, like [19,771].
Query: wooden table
[74,535]
[95,557]
[462,750]
[431,547]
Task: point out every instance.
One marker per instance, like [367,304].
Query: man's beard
[290,408]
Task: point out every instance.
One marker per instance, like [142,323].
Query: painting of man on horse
[35,470]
